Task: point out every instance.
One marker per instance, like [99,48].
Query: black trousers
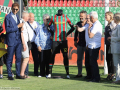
[56,47]
[36,57]
[109,59]
[93,55]
[44,62]
[87,64]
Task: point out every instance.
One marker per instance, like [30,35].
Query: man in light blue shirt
[44,42]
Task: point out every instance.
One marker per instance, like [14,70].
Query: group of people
[90,33]
[46,40]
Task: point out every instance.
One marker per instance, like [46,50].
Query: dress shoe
[87,78]
[10,78]
[20,77]
[95,81]
[78,76]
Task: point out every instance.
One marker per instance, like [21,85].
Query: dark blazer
[13,33]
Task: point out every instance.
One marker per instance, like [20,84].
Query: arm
[37,42]
[10,29]
[23,42]
[117,38]
[93,32]
[82,28]
[75,38]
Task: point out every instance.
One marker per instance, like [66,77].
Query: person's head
[88,18]
[2,38]
[25,16]
[116,18]
[46,19]
[82,16]
[109,16]
[15,8]
[93,16]
[31,17]
[60,12]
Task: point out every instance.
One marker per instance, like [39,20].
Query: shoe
[68,77]
[1,76]
[112,77]
[95,81]
[116,82]
[49,76]
[10,78]
[20,77]
[87,78]
[78,76]
[108,77]
[39,76]
[13,75]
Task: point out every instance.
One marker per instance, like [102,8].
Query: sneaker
[48,76]
[13,75]
[39,76]
[1,76]
[68,76]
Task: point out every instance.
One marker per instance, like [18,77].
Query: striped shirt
[60,27]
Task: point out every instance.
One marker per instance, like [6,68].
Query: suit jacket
[115,40]
[13,33]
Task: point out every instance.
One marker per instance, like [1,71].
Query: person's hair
[2,36]
[94,14]
[83,12]
[24,13]
[45,15]
[110,14]
[15,4]
[117,17]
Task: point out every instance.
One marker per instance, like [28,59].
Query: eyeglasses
[87,18]
[15,9]
[47,19]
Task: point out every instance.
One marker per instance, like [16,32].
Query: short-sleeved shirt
[60,27]
[28,33]
[95,41]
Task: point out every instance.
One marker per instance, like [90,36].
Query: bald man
[33,24]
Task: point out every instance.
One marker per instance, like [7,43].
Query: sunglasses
[15,9]
[48,19]
[87,18]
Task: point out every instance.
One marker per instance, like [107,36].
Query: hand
[109,38]
[51,37]
[90,25]
[75,44]
[39,49]
[20,25]
[22,29]
[24,47]
[87,47]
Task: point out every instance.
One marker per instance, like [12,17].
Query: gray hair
[94,14]
[24,13]
[117,17]
[45,15]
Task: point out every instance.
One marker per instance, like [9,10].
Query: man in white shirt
[34,49]
[94,44]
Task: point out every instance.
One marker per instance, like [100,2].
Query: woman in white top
[115,43]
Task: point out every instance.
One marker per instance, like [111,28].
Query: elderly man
[44,42]
[33,24]
[25,37]
[13,40]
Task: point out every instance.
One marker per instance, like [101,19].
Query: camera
[1,28]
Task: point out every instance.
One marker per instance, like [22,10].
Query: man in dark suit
[13,40]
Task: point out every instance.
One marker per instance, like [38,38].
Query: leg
[35,53]
[94,65]
[64,49]
[10,53]
[42,63]
[87,65]
[48,52]
[18,58]
[80,53]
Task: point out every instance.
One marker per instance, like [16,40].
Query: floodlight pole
[105,63]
